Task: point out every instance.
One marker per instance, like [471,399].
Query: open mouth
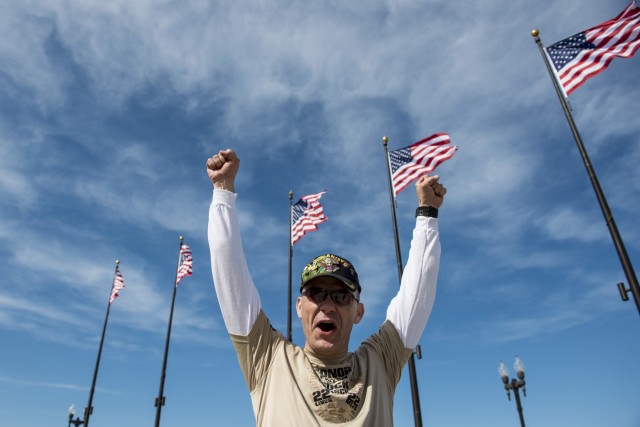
[326,326]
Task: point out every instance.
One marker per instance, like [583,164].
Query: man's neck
[324,357]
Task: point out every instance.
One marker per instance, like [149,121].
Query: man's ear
[359,313]
[299,307]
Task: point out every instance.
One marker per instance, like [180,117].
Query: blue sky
[110,109]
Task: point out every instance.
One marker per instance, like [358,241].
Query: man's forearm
[411,307]
[237,295]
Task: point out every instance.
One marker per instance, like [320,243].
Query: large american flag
[582,56]
[306,214]
[118,284]
[185,267]
[422,157]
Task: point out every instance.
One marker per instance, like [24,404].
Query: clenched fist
[430,192]
[222,169]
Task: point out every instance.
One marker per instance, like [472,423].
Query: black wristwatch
[428,211]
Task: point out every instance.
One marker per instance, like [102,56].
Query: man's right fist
[222,169]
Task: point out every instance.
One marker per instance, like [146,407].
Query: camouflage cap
[333,266]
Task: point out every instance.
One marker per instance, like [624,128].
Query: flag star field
[399,158]
[110,110]
[566,50]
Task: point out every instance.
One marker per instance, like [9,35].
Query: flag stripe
[118,284]
[410,163]
[418,170]
[307,214]
[586,54]
[185,267]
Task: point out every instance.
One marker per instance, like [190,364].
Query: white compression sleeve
[237,295]
[411,307]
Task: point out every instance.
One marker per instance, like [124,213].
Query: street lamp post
[515,384]
[77,422]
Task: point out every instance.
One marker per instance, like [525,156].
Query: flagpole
[417,414]
[89,409]
[613,229]
[290,264]
[159,403]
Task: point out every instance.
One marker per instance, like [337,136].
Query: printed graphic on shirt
[337,393]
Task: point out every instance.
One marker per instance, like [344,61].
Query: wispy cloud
[566,223]
[19,382]
[110,110]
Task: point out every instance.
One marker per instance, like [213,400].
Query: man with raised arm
[322,383]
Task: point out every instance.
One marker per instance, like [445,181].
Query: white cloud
[113,107]
[20,382]
[567,223]
[15,186]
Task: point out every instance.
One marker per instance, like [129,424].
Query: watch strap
[428,211]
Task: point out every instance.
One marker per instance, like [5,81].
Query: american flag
[185,267]
[306,214]
[410,163]
[582,56]
[118,284]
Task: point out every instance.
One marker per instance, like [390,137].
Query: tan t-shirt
[291,388]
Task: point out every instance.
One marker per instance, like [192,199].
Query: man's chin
[324,346]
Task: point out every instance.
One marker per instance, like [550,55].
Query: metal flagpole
[159,403]
[613,229]
[417,414]
[290,262]
[89,409]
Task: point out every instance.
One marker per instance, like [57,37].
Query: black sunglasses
[340,296]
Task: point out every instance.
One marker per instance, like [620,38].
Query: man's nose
[327,305]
